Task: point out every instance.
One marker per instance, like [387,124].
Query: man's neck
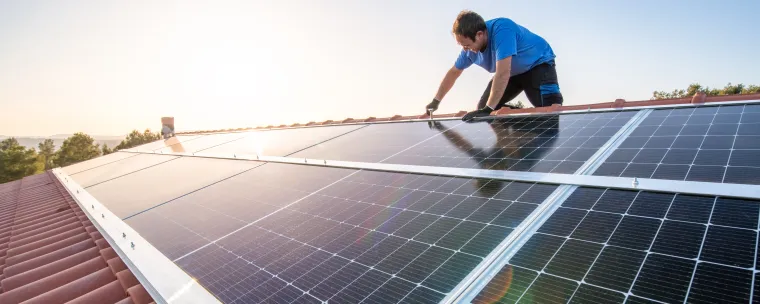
[485,44]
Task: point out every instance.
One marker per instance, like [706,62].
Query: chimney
[167,127]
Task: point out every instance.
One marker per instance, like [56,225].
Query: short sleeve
[463,61]
[505,43]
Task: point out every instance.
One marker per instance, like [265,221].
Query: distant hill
[33,141]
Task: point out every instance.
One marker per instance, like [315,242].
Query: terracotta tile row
[50,252]
[700,98]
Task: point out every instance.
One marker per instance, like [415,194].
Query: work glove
[432,106]
[485,111]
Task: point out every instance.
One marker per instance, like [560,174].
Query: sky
[108,67]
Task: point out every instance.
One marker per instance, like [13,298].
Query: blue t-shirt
[507,38]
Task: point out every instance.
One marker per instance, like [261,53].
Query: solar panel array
[252,231]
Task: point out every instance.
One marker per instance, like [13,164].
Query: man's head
[470,31]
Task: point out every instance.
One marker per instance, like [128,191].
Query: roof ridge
[697,99]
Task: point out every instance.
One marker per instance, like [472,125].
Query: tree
[79,147]
[135,138]
[47,151]
[694,88]
[16,161]
[106,150]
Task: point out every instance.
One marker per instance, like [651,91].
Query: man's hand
[432,106]
[485,111]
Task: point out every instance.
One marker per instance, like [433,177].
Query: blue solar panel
[615,246]
[352,236]
[709,144]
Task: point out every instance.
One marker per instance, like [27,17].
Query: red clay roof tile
[51,252]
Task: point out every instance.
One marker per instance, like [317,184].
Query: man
[520,60]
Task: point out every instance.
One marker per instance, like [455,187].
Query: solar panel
[547,143]
[221,208]
[204,142]
[96,162]
[105,172]
[710,144]
[611,246]
[274,232]
[281,142]
[172,141]
[368,235]
[146,188]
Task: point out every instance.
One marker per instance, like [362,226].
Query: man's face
[479,45]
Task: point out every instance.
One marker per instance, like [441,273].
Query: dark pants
[539,83]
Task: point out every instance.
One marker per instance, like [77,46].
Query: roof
[50,251]
[617,104]
[254,227]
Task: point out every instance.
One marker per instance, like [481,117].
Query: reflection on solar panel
[280,142]
[374,142]
[163,143]
[607,246]
[367,236]
[548,143]
[203,142]
[711,144]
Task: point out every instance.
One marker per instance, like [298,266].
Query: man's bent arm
[448,82]
[500,80]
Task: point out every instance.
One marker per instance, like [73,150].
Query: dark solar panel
[548,143]
[368,236]
[708,144]
[279,142]
[613,246]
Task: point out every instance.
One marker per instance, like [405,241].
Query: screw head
[132,244]
[77,191]
[102,215]
[124,235]
[93,206]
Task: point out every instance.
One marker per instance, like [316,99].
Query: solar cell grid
[648,247]
[710,144]
[368,234]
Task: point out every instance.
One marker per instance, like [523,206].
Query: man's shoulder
[501,22]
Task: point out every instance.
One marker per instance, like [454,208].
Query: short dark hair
[468,23]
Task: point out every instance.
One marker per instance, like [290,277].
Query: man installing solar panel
[520,60]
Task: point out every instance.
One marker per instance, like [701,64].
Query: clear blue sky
[106,67]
